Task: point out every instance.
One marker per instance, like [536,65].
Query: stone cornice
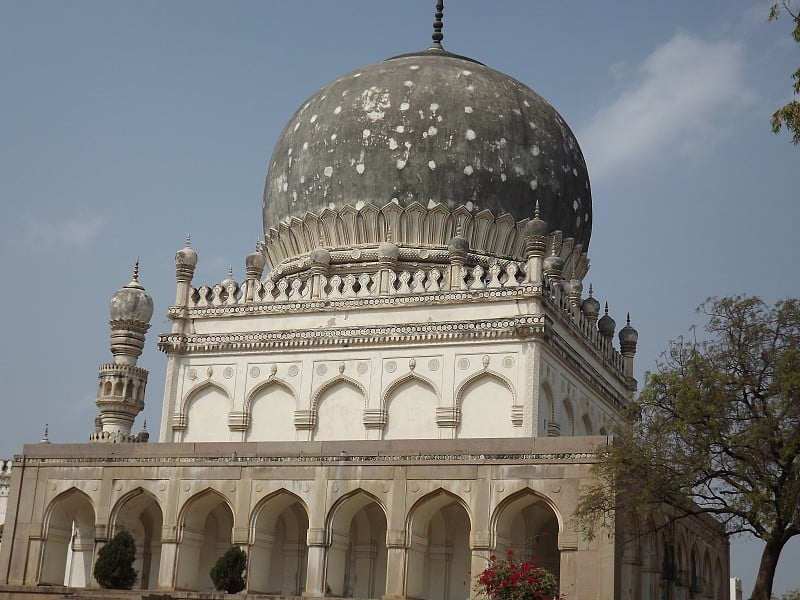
[519,327]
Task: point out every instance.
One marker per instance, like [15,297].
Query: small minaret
[120,394]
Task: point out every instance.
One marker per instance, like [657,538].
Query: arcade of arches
[335,519]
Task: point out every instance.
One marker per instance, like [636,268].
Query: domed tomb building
[412,376]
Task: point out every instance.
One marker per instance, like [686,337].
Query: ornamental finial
[536,210]
[438,36]
[188,240]
[136,270]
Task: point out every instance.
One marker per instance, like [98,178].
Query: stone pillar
[480,560]
[458,249]
[315,572]
[254,268]
[395,565]
[166,568]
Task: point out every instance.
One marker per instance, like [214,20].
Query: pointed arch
[528,524]
[410,404]
[205,531]
[485,402]
[270,408]
[356,536]
[586,421]
[140,513]
[547,408]
[278,530]
[206,407]
[338,406]
[568,417]
[439,556]
[68,540]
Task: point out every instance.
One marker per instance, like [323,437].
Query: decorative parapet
[108,437]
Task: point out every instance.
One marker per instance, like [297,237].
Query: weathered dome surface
[430,127]
[131,302]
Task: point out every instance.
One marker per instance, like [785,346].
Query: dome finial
[536,210]
[388,233]
[438,36]
[230,272]
[136,270]
[188,240]
[590,290]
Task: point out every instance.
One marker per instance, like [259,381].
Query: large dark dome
[430,127]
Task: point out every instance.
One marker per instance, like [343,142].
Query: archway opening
[68,541]
[356,558]
[141,515]
[277,562]
[439,558]
[206,534]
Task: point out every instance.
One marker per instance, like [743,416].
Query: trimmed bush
[114,567]
[227,574]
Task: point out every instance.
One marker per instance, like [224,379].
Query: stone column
[395,564]
[315,572]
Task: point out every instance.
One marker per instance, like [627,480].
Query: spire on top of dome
[438,36]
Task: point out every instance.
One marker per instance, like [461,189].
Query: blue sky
[126,125]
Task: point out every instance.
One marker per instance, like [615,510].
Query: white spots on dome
[532,124]
[285,186]
[469,205]
[516,111]
[404,106]
[534,184]
[333,137]
[535,150]
[400,129]
[408,83]
[503,177]
[586,217]
[392,144]
[575,171]
[323,97]
[337,110]
[432,130]
[365,134]
[470,88]
[578,221]
[359,204]
[468,110]
[501,143]
[468,170]
[297,126]
[302,178]
[374,102]
[432,165]
[395,200]
[344,93]
[360,168]
[518,171]
[289,152]
[465,73]
[587,185]
[575,205]
[434,107]
[294,196]
[470,134]
[401,163]
[356,75]
[328,171]
[439,118]
[313,119]
[331,205]
[526,103]
[414,67]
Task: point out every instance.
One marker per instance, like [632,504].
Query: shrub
[509,580]
[114,567]
[227,574]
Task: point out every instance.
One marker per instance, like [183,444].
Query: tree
[789,114]
[114,566]
[715,430]
[227,574]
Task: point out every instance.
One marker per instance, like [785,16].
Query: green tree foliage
[114,567]
[791,595]
[789,114]
[507,579]
[716,430]
[227,574]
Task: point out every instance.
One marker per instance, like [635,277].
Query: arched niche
[206,409]
[527,525]
[206,528]
[339,406]
[485,402]
[356,556]
[278,553]
[411,409]
[567,417]
[140,514]
[439,556]
[271,408]
[68,540]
